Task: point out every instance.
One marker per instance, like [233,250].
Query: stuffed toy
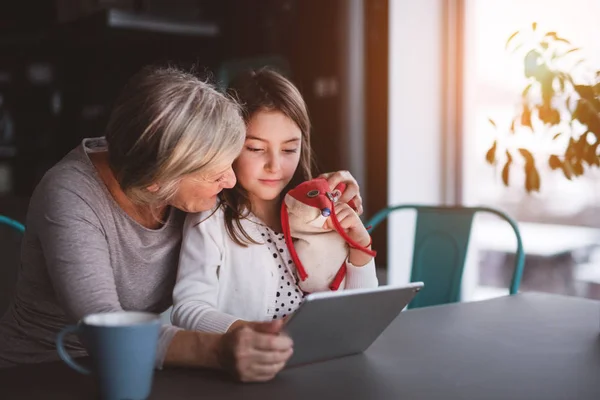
[319,253]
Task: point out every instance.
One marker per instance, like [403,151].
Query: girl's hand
[351,223]
[352,191]
[355,229]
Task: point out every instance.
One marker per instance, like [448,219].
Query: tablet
[334,324]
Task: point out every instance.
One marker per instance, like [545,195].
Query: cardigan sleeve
[361,277]
[196,292]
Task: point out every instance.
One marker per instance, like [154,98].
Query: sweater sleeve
[196,292]
[361,277]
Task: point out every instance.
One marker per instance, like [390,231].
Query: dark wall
[61,68]
[63,77]
[376,116]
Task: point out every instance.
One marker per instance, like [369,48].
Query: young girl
[234,266]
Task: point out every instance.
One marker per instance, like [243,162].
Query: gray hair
[168,123]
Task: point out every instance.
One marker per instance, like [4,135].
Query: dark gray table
[529,346]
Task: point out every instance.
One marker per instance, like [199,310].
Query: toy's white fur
[321,251]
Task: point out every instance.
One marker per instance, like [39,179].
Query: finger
[271,357]
[342,218]
[357,200]
[268,327]
[335,178]
[325,175]
[351,193]
[341,206]
[263,373]
[271,342]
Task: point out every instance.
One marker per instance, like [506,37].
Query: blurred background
[399,93]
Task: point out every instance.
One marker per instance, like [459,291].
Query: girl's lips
[270,181]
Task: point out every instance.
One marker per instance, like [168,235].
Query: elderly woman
[104,228]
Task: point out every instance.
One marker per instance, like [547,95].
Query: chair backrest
[440,248]
[11,233]
[14,224]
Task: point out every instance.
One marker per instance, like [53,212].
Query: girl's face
[270,155]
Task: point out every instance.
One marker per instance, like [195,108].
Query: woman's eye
[254,149]
[220,179]
[291,150]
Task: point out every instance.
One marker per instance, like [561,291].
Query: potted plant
[560,104]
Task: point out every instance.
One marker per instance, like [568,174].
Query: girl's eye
[254,149]
[291,150]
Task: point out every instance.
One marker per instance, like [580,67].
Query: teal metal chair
[12,223]
[10,240]
[441,242]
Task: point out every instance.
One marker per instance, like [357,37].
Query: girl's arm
[360,271]
[196,292]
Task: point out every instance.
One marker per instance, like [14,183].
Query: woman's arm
[253,352]
[76,253]
[196,291]
[78,262]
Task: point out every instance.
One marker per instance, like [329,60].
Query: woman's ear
[153,188]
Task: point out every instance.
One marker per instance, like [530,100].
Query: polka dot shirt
[288,296]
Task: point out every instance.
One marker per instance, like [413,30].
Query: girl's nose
[274,164]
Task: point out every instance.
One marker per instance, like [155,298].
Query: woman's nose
[229,180]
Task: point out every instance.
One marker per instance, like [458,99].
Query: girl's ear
[153,188]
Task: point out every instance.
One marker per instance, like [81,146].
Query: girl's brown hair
[256,91]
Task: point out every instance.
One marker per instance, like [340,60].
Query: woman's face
[198,192]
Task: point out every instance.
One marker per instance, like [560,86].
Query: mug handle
[60,347]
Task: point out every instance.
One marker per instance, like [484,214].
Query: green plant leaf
[585,91]
[561,83]
[554,162]
[567,170]
[531,63]
[526,155]
[532,178]
[568,104]
[526,90]
[510,38]
[517,47]
[572,50]
[490,156]
[505,173]
[526,116]
[559,39]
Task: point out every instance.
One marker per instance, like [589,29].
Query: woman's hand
[255,352]
[352,191]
